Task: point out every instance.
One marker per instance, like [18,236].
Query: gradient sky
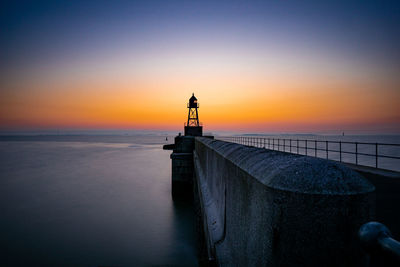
[263,66]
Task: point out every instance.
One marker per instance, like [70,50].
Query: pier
[257,206]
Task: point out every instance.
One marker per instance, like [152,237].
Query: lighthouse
[182,155]
[193,127]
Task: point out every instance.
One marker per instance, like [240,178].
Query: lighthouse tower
[192,127]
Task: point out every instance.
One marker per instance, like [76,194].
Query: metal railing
[377,155]
[378,242]
[185,123]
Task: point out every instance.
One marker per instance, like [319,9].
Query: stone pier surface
[264,207]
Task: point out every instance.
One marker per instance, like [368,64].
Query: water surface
[82,201]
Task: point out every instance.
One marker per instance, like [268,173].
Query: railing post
[326,147]
[306,146]
[356,153]
[315,148]
[340,151]
[376,155]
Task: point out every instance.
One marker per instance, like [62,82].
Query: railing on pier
[378,242]
[376,155]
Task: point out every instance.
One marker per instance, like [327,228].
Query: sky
[255,66]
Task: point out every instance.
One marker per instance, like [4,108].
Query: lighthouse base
[193,130]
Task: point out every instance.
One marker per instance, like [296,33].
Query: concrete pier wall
[263,207]
[182,166]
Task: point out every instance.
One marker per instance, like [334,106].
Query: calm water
[91,201]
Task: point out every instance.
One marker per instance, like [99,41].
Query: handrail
[377,241]
[200,124]
[326,149]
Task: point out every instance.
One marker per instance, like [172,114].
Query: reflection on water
[80,203]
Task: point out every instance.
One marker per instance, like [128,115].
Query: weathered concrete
[264,207]
[182,166]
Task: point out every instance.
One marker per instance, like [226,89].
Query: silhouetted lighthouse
[192,126]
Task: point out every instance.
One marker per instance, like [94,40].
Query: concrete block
[281,209]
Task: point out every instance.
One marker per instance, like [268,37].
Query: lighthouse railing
[197,105]
[186,124]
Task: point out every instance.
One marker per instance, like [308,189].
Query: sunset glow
[252,68]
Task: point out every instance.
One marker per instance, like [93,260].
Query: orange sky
[226,103]
[254,67]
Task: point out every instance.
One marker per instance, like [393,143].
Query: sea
[91,201]
[99,200]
